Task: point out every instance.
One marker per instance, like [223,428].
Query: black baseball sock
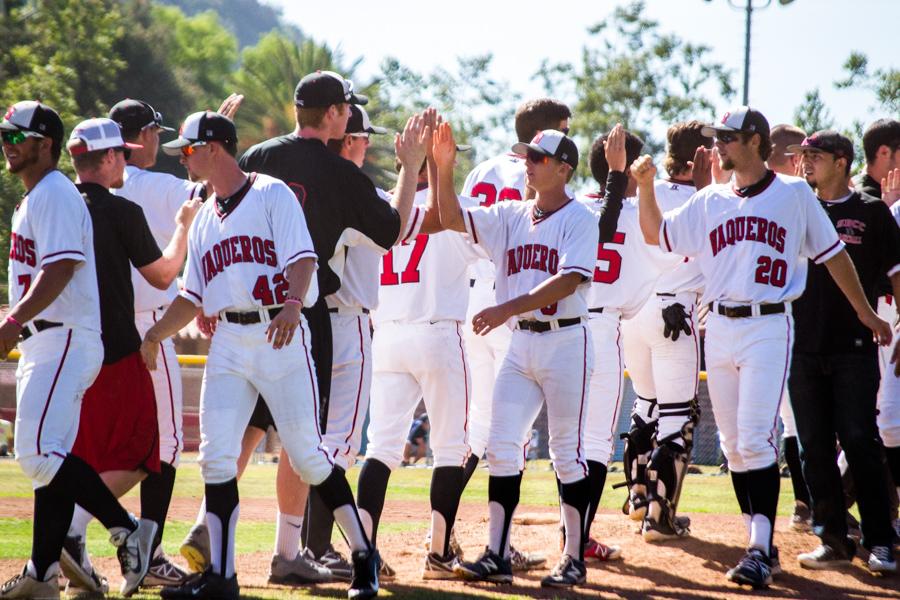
[503,497]
[52,515]
[469,468]
[318,523]
[156,495]
[222,509]
[370,491]
[596,481]
[78,481]
[893,460]
[792,456]
[335,492]
[763,486]
[446,489]
[575,500]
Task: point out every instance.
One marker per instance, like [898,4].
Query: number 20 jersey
[751,248]
[236,260]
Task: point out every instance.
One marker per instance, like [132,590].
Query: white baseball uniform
[660,368]
[750,251]
[889,393]
[494,180]
[555,365]
[235,270]
[160,195]
[61,351]
[418,346]
[624,276]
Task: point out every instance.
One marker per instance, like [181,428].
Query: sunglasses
[726,137]
[536,157]
[190,149]
[14,138]
[125,151]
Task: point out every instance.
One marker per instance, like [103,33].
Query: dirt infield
[691,568]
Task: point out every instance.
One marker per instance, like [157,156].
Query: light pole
[748,7]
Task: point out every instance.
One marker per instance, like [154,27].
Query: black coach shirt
[825,322]
[121,238]
[338,198]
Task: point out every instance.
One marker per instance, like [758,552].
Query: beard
[726,164]
[26,159]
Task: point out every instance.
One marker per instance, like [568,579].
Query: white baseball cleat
[135,550]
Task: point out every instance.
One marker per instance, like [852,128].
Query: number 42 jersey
[236,260]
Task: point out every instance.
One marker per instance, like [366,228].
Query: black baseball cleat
[490,566]
[366,564]
[568,572]
[204,585]
[754,569]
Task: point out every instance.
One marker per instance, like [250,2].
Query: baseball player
[545,252]
[749,238]
[54,316]
[251,262]
[625,272]
[495,180]
[423,293]
[663,358]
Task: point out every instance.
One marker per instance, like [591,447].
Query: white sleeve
[820,240]
[176,191]
[192,286]
[895,210]
[683,230]
[291,235]
[578,253]
[486,226]
[59,224]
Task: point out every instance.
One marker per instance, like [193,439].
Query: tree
[812,115]
[885,83]
[249,20]
[633,73]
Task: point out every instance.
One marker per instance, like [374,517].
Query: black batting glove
[676,320]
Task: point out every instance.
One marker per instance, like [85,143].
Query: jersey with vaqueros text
[687,276]
[751,247]
[424,278]
[626,268]
[236,261]
[527,250]
[52,223]
[160,195]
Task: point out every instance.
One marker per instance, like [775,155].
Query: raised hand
[230,105]
[890,186]
[444,146]
[643,170]
[701,171]
[614,148]
[409,144]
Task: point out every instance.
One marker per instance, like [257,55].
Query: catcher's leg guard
[639,444]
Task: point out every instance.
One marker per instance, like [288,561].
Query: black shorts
[261,417]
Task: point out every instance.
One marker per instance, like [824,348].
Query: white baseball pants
[606,387]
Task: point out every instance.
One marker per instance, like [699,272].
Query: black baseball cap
[203,126]
[826,140]
[133,115]
[31,115]
[359,122]
[324,88]
[742,119]
[552,143]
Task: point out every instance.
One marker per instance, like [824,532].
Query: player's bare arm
[163,271]
[281,330]
[548,292]
[49,283]
[410,148]
[643,170]
[844,274]
[431,222]
[180,313]
[444,151]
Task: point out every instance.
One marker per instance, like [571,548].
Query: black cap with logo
[324,88]
[134,115]
[742,119]
[203,126]
[552,143]
[826,140]
[31,115]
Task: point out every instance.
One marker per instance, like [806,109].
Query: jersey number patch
[489,192]
[411,273]
[613,260]
[771,272]
[263,292]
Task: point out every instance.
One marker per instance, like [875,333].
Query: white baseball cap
[552,143]
[97,134]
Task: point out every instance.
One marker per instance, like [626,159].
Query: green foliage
[812,115]
[632,73]
[249,20]
[885,83]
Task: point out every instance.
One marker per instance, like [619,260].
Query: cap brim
[463,147]
[800,148]
[131,146]
[7,126]
[374,129]
[174,147]
[711,130]
[164,128]
[523,148]
[358,99]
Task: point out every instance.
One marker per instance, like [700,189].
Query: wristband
[293,300]
[10,319]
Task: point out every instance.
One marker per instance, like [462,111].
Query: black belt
[365,311]
[250,317]
[542,326]
[595,310]
[40,325]
[739,312]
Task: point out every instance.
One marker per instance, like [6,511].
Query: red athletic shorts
[118,430]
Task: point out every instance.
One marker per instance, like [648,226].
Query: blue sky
[795,48]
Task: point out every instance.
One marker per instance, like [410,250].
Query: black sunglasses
[727,137]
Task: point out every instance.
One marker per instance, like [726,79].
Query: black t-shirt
[867,185]
[335,194]
[121,238]
[825,322]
